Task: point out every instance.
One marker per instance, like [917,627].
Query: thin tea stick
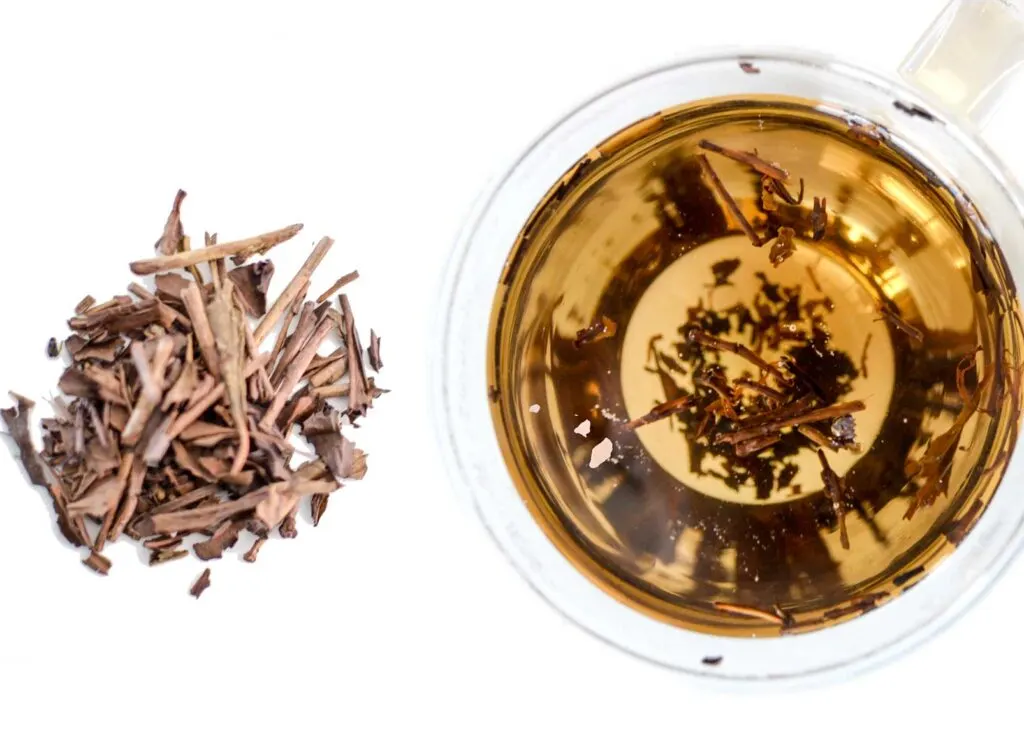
[286,322]
[303,330]
[758,444]
[186,246]
[813,416]
[660,411]
[750,612]
[131,500]
[196,308]
[298,283]
[254,350]
[751,160]
[730,203]
[240,250]
[295,371]
[342,281]
[719,344]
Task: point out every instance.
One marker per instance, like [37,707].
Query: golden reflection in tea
[626,290]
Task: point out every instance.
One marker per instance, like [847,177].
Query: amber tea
[755,368]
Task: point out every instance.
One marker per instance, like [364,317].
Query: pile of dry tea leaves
[174,421]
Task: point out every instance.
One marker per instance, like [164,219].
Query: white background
[376,123]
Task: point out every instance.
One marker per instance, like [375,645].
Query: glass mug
[948,90]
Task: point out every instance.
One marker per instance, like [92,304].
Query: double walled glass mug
[605,317]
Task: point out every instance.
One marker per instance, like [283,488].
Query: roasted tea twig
[730,203]
[753,161]
[238,250]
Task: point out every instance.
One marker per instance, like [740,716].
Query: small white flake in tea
[601,453]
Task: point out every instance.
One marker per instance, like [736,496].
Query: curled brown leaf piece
[251,284]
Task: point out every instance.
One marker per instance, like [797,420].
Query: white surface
[397,614]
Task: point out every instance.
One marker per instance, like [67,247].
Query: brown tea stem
[295,371]
[751,160]
[730,203]
[240,250]
[342,281]
[299,282]
[814,416]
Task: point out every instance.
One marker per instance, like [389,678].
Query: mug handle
[969,55]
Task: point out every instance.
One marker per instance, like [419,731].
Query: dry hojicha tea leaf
[175,419]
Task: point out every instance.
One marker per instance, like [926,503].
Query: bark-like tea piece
[359,397]
[201,584]
[223,539]
[96,562]
[373,353]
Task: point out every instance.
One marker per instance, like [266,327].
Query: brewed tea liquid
[636,238]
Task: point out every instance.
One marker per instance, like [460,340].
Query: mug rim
[967,592]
